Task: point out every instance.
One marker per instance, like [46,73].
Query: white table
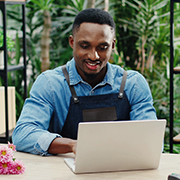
[54,168]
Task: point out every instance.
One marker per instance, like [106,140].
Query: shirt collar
[75,78]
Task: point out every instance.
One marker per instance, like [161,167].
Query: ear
[113,44]
[71,41]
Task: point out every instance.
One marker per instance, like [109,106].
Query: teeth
[91,64]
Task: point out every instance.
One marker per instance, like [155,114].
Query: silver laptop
[118,146]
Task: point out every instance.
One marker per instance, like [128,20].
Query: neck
[94,79]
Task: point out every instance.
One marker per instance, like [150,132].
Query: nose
[93,55]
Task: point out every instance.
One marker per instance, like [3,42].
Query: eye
[103,47]
[84,46]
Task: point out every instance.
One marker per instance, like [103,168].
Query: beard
[90,76]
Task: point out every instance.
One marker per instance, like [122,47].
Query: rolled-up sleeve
[42,144]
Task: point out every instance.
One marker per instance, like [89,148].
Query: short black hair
[93,15]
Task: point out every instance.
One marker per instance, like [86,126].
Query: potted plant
[10,46]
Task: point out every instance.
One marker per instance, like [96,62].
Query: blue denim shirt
[50,97]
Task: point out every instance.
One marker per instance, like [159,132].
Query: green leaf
[156,6]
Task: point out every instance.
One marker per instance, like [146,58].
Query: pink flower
[12,146]
[8,164]
[17,168]
[6,154]
[5,167]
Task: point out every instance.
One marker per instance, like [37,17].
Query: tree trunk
[91,4]
[106,6]
[150,59]
[45,41]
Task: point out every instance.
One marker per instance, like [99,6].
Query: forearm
[62,145]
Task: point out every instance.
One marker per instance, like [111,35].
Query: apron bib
[108,107]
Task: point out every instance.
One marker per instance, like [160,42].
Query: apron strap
[73,92]
[121,91]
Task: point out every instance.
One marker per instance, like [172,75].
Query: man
[87,88]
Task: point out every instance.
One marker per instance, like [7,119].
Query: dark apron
[108,107]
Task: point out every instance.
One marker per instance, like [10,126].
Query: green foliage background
[143,38]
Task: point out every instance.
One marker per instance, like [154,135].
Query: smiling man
[92,46]
[87,88]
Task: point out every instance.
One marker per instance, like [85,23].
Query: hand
[74,144]
[62,145]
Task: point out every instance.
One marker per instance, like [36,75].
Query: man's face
[92,45]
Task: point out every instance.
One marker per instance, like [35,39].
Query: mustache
[89,60]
